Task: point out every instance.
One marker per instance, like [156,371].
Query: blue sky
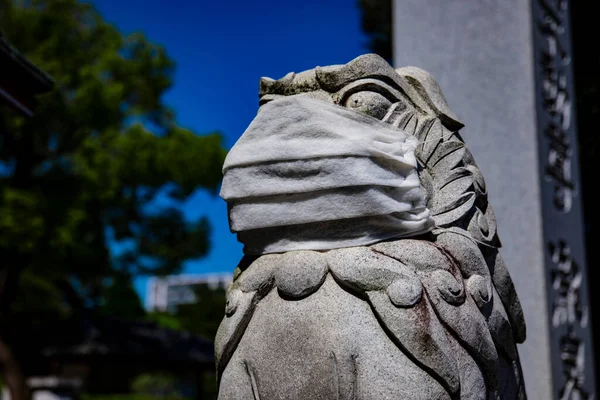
[221,49]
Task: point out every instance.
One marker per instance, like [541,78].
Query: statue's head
[336,157]
[368,85]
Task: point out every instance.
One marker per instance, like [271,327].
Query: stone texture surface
[416,314]
[481,54]
[328,346]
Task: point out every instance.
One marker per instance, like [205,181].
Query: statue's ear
[428,89]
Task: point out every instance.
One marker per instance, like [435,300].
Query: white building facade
[164,294]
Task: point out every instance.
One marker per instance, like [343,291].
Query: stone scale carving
[372,267]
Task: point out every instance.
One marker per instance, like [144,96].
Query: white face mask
[311,175]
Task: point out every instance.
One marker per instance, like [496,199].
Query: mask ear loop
[390,112]
[403,115]
[396,123]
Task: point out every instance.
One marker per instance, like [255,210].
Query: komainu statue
[372,267]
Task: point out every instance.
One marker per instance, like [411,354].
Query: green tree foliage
[120,298]
[102,162]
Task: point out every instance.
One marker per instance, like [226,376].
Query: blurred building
[164,294]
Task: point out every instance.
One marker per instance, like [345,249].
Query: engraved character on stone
[573,363]
[566,282]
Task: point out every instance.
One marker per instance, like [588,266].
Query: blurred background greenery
[84,172]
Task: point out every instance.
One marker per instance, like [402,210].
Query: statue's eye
[370,103]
